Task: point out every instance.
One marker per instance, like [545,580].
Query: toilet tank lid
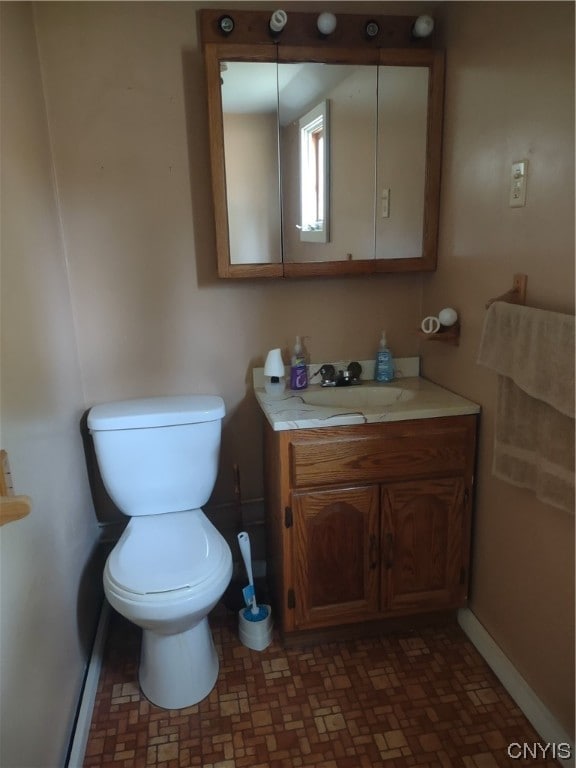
[155,412]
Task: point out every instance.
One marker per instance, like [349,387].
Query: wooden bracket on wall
[516,295]
[11,507]
[449,334]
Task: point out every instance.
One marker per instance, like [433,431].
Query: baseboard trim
[88,695]
[538,714]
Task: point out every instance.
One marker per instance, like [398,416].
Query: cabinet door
[336,556]
[424,531]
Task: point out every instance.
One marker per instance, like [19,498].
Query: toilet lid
[162,553]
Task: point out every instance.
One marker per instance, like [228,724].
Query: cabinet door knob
[389,561]
[373,552]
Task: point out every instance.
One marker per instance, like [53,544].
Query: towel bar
[516,295]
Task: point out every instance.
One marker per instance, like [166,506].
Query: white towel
[533,347]
[532,350]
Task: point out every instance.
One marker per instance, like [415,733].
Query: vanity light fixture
[326,23]
[278,21]
[226,25]
[423,26]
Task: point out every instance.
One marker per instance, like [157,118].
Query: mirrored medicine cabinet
[325,150]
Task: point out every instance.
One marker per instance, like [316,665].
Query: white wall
[48,600]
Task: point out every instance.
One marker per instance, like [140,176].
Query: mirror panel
[250,125]
[215,55]
[402,142]
[348,95]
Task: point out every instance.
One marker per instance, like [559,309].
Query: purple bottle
[298,367]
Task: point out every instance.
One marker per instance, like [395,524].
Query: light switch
[518,184]
[385,203]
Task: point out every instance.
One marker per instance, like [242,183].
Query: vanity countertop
[411,398]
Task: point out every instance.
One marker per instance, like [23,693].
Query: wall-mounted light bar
[301,29]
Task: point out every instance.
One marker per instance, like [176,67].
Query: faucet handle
[327,373]
[355,371]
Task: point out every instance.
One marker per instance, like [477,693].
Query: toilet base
[177,671]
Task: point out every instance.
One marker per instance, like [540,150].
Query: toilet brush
[253,612]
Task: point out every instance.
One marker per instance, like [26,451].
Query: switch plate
[386,203]
[518,182]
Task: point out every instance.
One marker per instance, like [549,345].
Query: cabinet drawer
[389,452]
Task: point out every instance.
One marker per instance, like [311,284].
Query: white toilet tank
[158,454]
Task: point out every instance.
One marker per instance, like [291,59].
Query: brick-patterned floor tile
[421,699]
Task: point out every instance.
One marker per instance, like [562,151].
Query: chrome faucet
[344,378]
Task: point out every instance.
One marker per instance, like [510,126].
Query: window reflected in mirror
[314,175]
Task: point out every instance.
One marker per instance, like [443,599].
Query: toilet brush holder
[255,630]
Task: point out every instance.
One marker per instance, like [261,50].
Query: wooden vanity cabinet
[368,522]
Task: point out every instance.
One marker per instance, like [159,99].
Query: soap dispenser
[298,367]
[384,369]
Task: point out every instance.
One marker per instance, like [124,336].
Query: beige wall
[126,104]
[252,188]
[50,595]
[510,95]
[125,99]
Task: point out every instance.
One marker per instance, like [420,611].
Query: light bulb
[278,21]
[326,23]
[372,29]
[423,26]
[226,24]
[448,316]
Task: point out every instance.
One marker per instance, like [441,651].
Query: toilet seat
[166,556]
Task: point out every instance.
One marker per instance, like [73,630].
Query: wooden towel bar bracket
[11,507]
[14,508]
[517,294]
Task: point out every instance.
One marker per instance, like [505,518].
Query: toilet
[158,458]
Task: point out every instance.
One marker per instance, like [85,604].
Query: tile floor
[420,699]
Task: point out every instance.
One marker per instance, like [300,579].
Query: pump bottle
[298,367]
[384,369]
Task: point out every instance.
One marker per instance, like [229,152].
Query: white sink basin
[357,397]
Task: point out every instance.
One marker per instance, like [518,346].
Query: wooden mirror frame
[251,40]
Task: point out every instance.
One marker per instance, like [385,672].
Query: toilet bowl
[170,566]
